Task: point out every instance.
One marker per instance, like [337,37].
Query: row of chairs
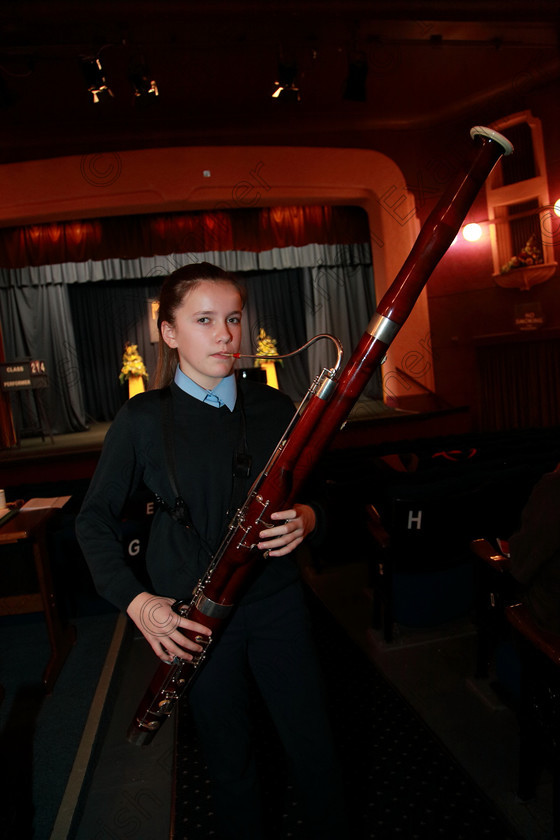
[428,543]
[539,659]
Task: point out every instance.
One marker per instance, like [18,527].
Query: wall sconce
[472,232]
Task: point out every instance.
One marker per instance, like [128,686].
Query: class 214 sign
[23,375]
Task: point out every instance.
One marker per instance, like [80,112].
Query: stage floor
[43,461]
[90,440]
[73,457]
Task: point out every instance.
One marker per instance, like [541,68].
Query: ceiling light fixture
[355,88]
[95,79]
[7,97]
[286,87]
[145,88]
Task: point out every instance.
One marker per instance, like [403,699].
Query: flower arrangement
[530,254]
[266,346]
[132,364]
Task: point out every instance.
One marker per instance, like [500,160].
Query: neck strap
[241,466]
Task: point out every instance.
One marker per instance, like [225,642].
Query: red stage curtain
[126,237]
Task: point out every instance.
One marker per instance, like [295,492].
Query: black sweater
[205,442]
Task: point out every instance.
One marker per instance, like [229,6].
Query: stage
[42,460]
[73,457]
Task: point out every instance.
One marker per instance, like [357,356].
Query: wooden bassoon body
[319,418]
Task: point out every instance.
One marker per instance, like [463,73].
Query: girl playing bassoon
[222,430]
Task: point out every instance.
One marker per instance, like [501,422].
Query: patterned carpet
[400,780]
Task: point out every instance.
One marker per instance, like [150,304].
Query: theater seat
[494,589]
[421,568]
[380,570]
[538,652]
[539,706]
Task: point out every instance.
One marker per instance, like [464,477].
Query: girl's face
[207,326]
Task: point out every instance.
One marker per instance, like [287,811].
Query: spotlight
[355,89]
[286,87]
[95,79]
[144,86]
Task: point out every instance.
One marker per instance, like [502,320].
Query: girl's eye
[234,319]
[203,320]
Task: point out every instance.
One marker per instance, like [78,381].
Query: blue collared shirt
[225,392]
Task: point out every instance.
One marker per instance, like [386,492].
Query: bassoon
[318,419]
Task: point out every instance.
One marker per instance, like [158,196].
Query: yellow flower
[266,346]
[132,364]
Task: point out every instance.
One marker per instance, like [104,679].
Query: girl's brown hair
[171,296]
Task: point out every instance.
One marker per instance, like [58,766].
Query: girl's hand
[295,525]
[161,626]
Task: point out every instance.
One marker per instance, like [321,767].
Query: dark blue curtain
[81,330]
[106,316]
[275,303]
[37,324]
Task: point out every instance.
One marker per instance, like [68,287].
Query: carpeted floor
[400,780]
[39,733]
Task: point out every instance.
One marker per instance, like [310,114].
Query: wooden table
[31,525]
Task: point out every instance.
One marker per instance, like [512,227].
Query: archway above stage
[199,178]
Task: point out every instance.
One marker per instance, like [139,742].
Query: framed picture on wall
[153,309]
